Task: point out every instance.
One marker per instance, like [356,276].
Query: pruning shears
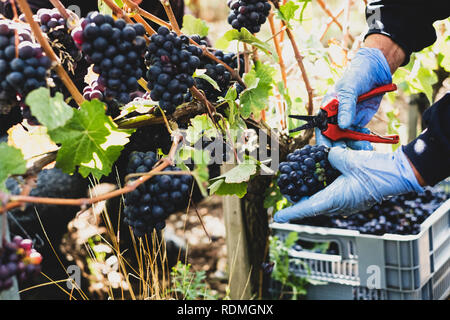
[326,120]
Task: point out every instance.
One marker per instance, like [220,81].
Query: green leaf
[221,188]
[245,36]
[194,26]
[393,126]
[90,140]
[201,125]
[11,162]
[210,80]
[291,239]
[103,8]
[241,172]
[255,97]
[52,112]
[287,11]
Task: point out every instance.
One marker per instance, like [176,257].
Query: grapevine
[18,258]
[138,104]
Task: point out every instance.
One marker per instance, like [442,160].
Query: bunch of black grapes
[148,206]
[401,214]
[172,61]
[249,14]
[219,74]
[58,31]
[18,259]
[305,172]
[23,68]
[56,27]
[116,50]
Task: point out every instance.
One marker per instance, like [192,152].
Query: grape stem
[300,64]
[136,9]
[333,18]
[62,10]
[25,8]
[118,11]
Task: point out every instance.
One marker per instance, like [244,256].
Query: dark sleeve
[409,23]
[430,151]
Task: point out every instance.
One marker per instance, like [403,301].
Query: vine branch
[19,200]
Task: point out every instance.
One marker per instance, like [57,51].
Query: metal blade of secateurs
[308,125]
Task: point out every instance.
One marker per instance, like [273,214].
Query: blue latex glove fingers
[321,139]
[367,70]
[359,145]
[367,178]
[319,203]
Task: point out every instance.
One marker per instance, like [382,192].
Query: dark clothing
[409,23]
[430,151]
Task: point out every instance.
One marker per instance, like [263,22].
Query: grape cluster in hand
[147,207]
[116,50]
[18,259]
[172,61]
[22,68]
[305,172]
[249,14]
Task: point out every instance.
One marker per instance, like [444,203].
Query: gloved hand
[367,178]
[367,70]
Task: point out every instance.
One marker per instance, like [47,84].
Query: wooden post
[237,249]
[13,292]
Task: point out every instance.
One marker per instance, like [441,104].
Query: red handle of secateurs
[335,133]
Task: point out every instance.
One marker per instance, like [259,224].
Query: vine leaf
[194,26]
[221,188]
[201,126]
[255,97]
[245,36]
[287,11]
[11,162]
[210,80]
[90,140]
[241,172]
[52,112]
[104,9]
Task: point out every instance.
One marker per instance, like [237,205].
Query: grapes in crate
[249,14]
[147,207]
[401,214]
[305,172]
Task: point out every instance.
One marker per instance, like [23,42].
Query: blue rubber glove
[367,178]
[368,69]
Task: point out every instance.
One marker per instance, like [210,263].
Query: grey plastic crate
[376,267]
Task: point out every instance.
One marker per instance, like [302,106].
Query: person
[396,29]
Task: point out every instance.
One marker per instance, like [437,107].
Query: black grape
[18,259]
[172,61]
[305,172]
[22,68]
[249,14]
[401,214]
[116,50]
[148,206]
